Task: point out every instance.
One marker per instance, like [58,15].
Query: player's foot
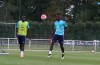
[21,55]
[49,55]
[62,58]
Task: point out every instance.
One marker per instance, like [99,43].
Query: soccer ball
[43,16]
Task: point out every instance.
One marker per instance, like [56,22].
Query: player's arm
[53,31]
[66,27]
[16,31]
[17,25]
[29,31]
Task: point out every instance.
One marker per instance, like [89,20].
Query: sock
[62,54]
[50,52]
[22,52]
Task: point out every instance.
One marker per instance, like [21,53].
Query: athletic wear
[59,38]
[59,31]
[22,28]
[21,34]
[59,27]
[21,39]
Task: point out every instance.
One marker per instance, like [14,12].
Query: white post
[29,44]
[73,45]
[15,30]
[8,43]
[95,45]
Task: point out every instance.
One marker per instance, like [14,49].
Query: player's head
[23,18]
[58,16]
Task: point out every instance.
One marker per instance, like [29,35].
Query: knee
[52,44]
[22,44]
[61,45]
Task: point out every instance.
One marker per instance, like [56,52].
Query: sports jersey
[59,27]
[22,27]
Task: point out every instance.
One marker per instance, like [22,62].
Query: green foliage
[33,9]
[86,17]
[79,31]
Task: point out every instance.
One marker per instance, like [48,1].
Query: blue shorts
[21,39]
[59,38]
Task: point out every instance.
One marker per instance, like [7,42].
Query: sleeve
[28,26]
[17,25]
[65,24]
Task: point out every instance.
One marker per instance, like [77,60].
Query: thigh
[54,39]
[21,39]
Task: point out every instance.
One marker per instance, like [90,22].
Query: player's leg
[21,40]
[61,39]
[50,50]
[62,49]
[22,47]
[54,39]
[22,50]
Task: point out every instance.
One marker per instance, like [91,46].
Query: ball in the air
[43,16]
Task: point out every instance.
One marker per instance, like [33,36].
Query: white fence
[43,44]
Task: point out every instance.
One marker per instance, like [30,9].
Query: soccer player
[59,34]
[22,28]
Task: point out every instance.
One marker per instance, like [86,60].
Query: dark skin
[58,18]
[22,45]
[24,19]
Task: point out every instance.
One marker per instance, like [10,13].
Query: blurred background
[82,16]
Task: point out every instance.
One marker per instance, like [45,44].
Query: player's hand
[29,36]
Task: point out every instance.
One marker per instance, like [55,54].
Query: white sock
[22,52]
[50,52]
[62,53]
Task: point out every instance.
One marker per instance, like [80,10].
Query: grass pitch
[40,58]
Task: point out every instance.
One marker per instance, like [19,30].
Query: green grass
[56,47]
[40,58]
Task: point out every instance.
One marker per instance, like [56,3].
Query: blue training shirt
[59,27]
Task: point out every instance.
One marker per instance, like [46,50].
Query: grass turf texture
[40,58]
